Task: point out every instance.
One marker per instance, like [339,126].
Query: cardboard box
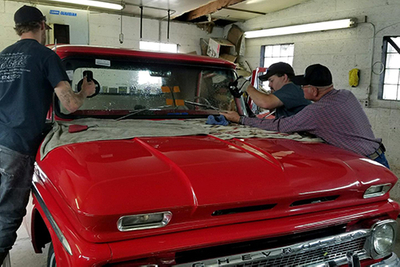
[217,47]
[235,36]
[226,48]
[203,46]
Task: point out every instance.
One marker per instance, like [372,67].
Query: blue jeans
[16,172]
[382,160]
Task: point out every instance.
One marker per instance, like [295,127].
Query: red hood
[195,177]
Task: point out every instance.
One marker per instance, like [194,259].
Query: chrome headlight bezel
[386,227]
[144,221]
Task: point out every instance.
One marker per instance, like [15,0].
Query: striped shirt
[337,118]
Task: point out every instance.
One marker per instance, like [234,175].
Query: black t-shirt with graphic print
[29,72]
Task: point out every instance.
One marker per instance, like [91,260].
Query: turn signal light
[377,190]
[144,221]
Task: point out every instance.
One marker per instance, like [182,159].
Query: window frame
[386,41]
[262,58]
[160,48]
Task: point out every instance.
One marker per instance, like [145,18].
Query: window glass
[277,53]
[274,54]
[159,47]
[150,89]
[390,92]
[393,60]
[390,76]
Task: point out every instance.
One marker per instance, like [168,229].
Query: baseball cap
[316,75]
[28,14]
[276,68]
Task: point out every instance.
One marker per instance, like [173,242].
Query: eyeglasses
[304,86]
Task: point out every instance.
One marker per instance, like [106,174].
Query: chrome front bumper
[392,261]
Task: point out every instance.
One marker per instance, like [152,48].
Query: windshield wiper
[208,105]
[135,112]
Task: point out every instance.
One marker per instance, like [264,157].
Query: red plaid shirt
[337,118]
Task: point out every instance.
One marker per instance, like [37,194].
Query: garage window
[159,47]
[390,74]
[271,54]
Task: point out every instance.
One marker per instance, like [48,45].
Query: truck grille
[311,253]
[314,257]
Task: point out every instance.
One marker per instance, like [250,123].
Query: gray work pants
[16,172]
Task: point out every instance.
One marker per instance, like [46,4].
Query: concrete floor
[23,255]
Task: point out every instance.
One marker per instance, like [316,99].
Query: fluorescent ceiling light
[310,27]
[92,3]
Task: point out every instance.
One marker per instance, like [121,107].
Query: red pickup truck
[136,177]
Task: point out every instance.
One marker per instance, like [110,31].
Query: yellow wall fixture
[302,28]
[354,77]
[92,3]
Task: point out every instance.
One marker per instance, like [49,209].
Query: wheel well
[40,233]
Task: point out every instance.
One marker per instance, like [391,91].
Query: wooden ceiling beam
[210,8]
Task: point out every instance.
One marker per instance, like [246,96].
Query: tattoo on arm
[70,100]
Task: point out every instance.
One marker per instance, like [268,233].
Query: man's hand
[88,88]
[239,86]
[242,84]
[232,116]
[69,99]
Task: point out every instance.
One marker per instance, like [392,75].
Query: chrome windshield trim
[47,213]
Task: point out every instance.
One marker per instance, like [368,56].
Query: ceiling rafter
[210,8]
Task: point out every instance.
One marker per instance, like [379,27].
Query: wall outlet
[364,103]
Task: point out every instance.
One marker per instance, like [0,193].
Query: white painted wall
[77,20]
[341,51]
[7,33]
[104,29]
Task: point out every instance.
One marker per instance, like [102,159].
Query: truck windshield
[128,89]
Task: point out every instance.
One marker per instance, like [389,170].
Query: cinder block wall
[7,33]
[104,30]
[341,51]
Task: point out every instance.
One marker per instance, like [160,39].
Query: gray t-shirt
[292,97]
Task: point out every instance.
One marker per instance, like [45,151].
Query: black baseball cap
[28,14]
[277,68]
[316,75]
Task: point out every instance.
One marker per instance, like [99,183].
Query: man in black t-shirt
[286,98]
[29,74]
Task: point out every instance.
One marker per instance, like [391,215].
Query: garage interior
[190,24]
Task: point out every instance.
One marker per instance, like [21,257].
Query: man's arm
[267,101]
[232,116]
[303,121]
[69,99]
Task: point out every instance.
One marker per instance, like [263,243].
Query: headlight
[383,236]
[377,190]
[144,221]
